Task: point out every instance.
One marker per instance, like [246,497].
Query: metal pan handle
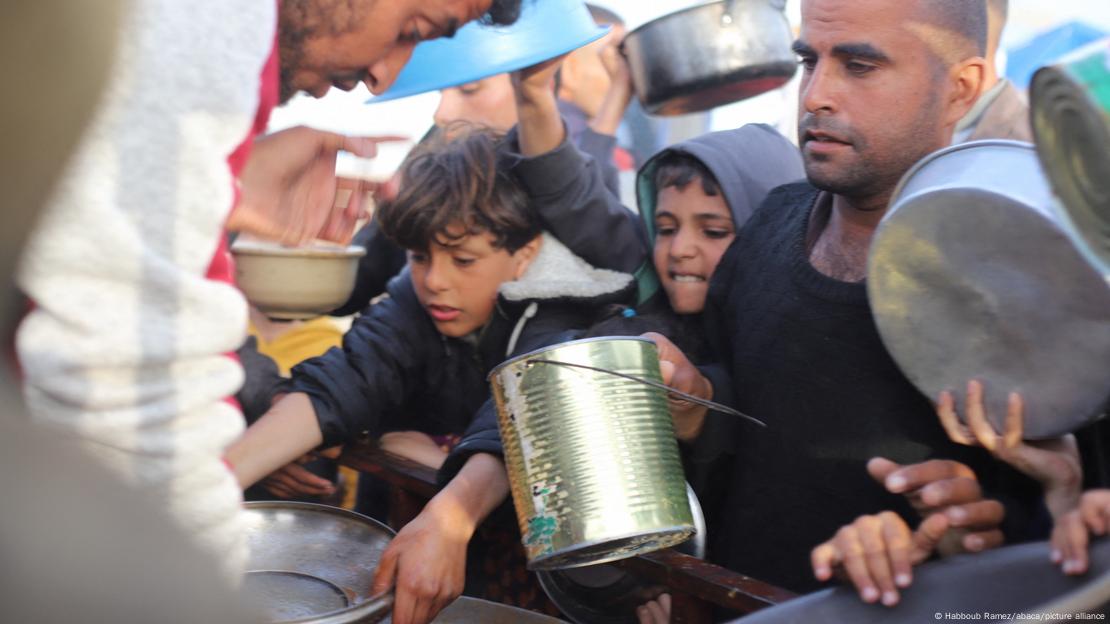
[716,407]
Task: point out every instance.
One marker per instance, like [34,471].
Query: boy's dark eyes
[463,261]
[418,258]
[808,62]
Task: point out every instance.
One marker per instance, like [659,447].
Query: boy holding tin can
[482,283]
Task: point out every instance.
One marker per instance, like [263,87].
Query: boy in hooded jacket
[482,284]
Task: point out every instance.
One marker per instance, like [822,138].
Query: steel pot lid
[313,564]
[972,276]
[1014,579]
[607,594]
[1070,103]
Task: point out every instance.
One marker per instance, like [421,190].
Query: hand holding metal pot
[1054,463]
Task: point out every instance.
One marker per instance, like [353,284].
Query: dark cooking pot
[705,56]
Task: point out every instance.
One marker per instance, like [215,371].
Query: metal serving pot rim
[928,160]
[531,354]
[373,604]
[774,4]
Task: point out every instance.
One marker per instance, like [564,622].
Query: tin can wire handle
[716,407]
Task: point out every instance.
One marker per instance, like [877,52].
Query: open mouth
[442,313]
[684,278]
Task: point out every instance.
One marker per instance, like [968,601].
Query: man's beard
[871,174]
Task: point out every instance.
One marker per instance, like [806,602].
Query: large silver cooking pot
[314,564]
[1012,580]
[705,56]
[972,275]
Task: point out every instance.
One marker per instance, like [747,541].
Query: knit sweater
[125,348]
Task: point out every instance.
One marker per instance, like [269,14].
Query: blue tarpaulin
[1047,48]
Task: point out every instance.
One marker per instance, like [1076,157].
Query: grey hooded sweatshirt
[747,163]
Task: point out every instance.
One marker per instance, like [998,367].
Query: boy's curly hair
[448,182]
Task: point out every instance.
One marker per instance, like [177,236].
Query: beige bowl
[295,282]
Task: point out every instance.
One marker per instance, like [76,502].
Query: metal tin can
[592,458]
[1071,120]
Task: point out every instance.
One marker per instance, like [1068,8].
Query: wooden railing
[696,586]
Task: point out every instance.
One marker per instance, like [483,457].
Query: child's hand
[1071,534]
[1053,463]
[427,564]
[540,126]
[294,481]
[878,554]
[657,611]
[619,95]
[951,488]
[537,79]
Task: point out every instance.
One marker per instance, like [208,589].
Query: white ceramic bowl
[295,282]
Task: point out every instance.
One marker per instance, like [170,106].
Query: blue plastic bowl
[546,29]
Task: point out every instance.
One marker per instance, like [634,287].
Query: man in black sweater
[884,84]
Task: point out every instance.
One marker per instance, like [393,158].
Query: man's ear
[968,82]
[526,254]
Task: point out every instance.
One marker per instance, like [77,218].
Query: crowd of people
[745,260]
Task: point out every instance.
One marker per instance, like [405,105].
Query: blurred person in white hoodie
[134,310]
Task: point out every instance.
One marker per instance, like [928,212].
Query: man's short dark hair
[679,169]
[503,12]
[450,182]
[603,16]
[964,22]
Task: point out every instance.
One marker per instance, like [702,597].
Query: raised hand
[1054,463]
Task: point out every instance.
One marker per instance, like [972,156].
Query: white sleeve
[125,347]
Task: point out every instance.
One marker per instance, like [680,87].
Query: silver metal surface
[972,276]
[301,554]
[1071,120]
[592,458]
[709,55]
[607,594]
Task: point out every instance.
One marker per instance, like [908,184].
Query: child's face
[458,284]
[488,102]
[692,232]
